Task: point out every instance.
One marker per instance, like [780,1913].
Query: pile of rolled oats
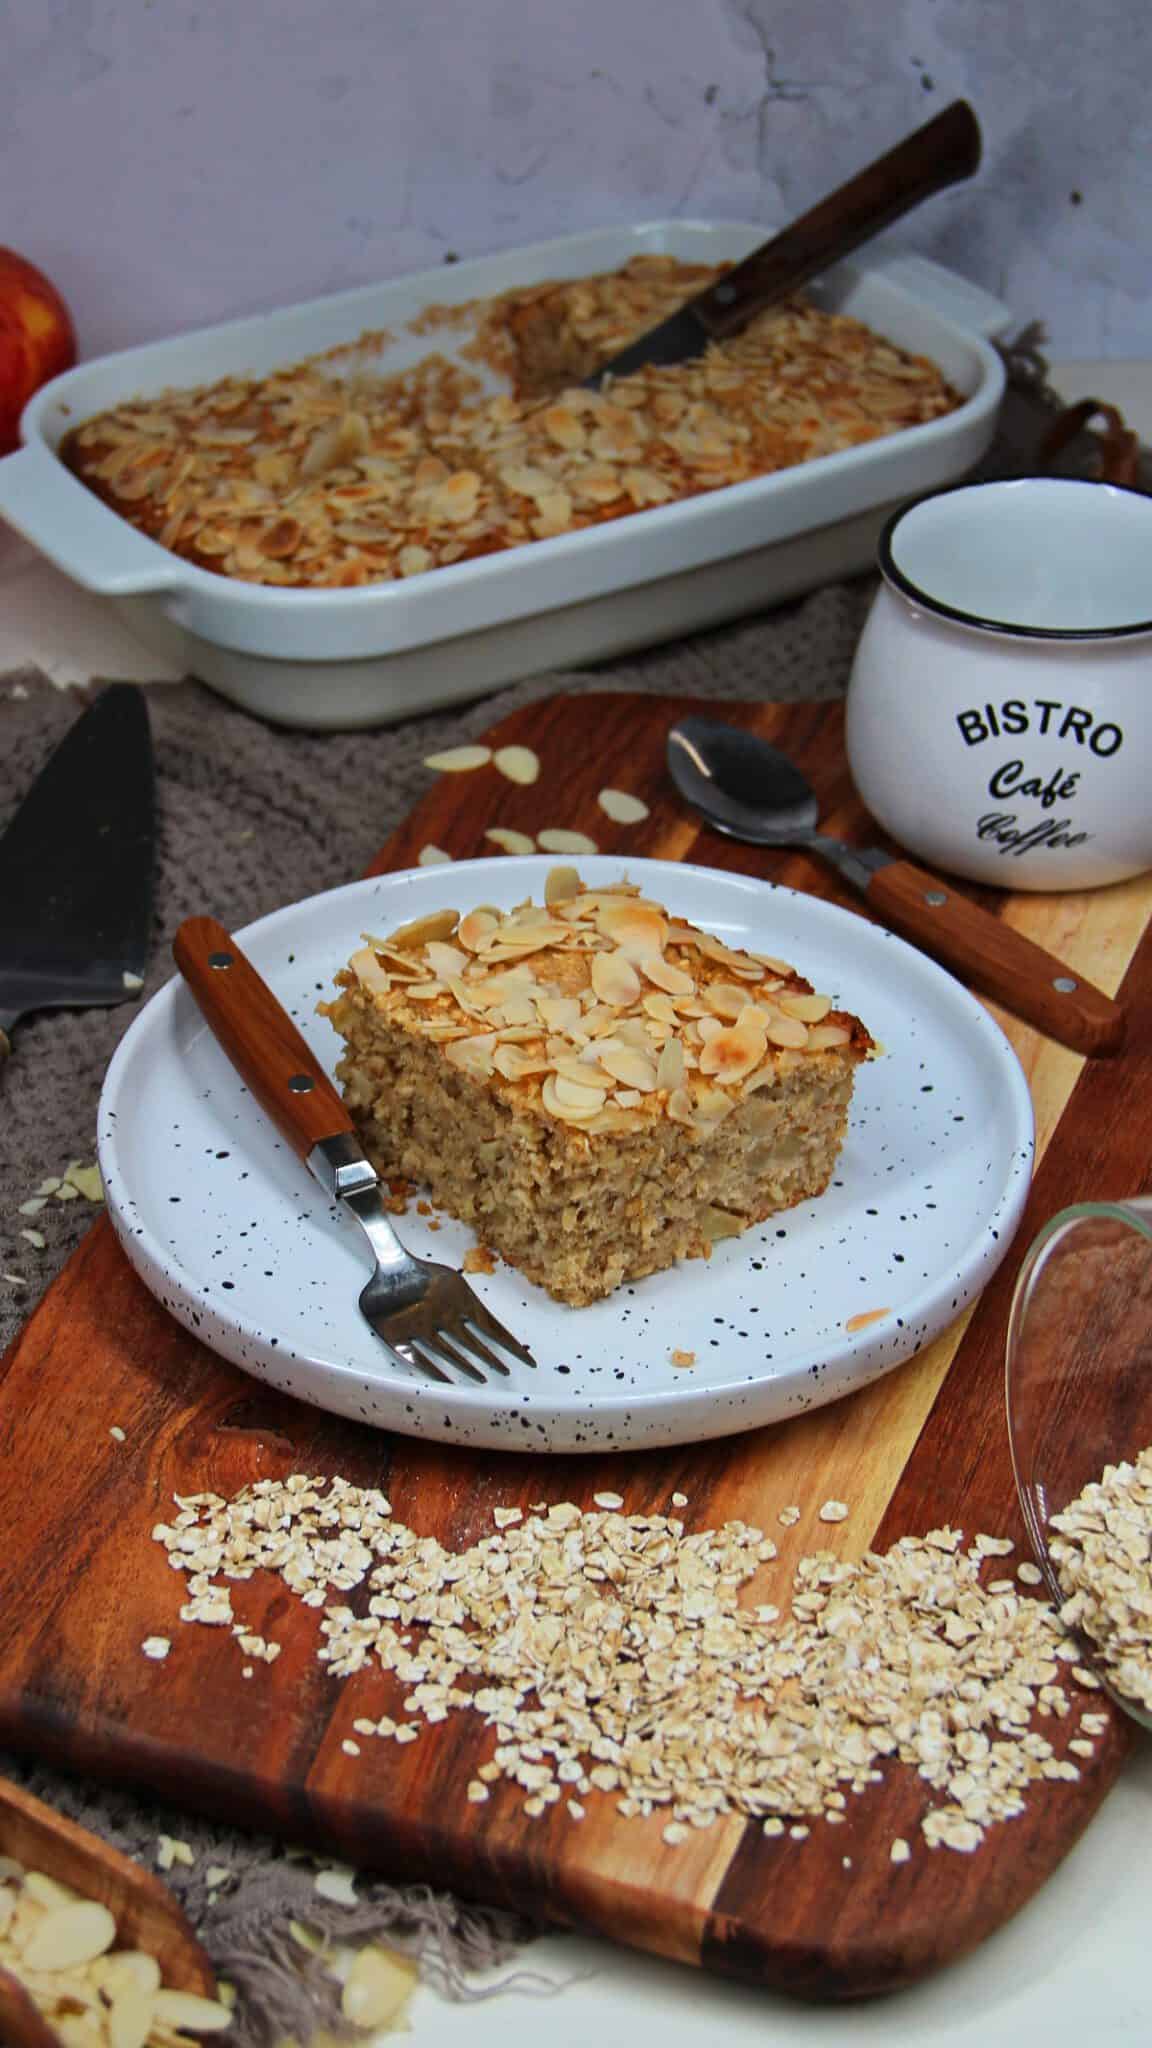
[625,1656]
[314,478]
[61,1947]
[1102,1552]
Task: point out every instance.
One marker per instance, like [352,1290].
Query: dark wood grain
[996,960]
[258,1036]
[81,1584]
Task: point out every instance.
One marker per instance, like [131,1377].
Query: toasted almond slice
[476,927]
[726,999]
[823,1037]
[555,839]
[561,886]
[732,1054]
[632,1069]
[775,966]
[638,929]
[577,1094]
[123,1968]
[510,841]
[810,1009]
[472,1055]
[49,1891]
[518,764]
[187,2009]
[788,1031]
[458,760]
[439,924]
[129,2017]
[433,857]
[445,961]
[379,1984]
[704,1028]
[614,979]
[670,1066]
[559,1013]
[567,1112]
[664,974]
[659,1007]
[370,972]
[680,1105]
[622,808]
[69,1936]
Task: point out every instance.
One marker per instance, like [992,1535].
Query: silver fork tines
[425,1313]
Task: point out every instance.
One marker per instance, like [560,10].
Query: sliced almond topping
[726,999]
[660,1009]
[518,764]
[472,1055]
[477,926]
[810,1009]
[578,1094]
[444,960]
[186,2009]
[437,924]
[732,1054]
[788,1031]
[432,857]
[680,1107]
[555,839]
[670,1066]
[775,966]
[561,886]
[823,1037]
[666,975]
[458,760]
[559,1013]
[510,841]
[622,808]
[570,1112]
[638,929]
[614,979]
[632,1069]
[370,972]
[68,1936]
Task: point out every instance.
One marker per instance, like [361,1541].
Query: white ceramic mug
[999,716]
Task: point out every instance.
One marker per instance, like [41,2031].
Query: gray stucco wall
[171,163]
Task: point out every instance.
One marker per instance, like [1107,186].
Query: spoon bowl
[1078,1372]
[749,790]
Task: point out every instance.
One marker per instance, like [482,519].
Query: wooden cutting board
[82,1584]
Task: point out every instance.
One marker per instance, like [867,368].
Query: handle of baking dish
[66,522]
[965,305]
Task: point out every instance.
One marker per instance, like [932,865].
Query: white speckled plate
[235,1238]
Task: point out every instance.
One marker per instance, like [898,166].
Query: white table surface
[1070,1971]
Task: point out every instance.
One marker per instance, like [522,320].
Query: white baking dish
[352,658]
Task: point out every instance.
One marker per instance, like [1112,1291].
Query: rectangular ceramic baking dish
[364,657]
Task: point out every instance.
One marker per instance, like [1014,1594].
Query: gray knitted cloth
[251,819]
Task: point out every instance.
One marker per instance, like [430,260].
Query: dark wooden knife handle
[941,153]
[258,1036]
[996,960]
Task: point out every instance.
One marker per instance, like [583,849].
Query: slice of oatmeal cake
[596,1086]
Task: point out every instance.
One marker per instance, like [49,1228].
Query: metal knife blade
[76,867]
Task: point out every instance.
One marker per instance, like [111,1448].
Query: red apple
[36,340]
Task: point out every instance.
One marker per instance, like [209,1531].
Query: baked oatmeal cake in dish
[595,1086]
[334,473]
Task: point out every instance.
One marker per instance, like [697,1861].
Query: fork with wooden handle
[424,1312]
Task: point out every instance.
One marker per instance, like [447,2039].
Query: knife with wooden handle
[939,154]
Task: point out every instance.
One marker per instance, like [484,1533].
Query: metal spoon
[749,790]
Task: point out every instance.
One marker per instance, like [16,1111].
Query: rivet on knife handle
[259,1036]
[998,961]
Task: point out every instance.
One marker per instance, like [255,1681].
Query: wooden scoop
[146,1914]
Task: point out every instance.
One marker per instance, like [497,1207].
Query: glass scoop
[1078,1376]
